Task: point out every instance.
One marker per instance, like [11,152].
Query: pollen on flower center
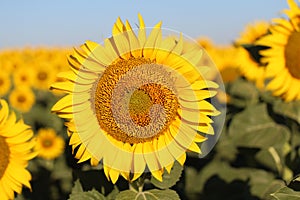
[4,156]
[139,107]
[134,100]
[292,51]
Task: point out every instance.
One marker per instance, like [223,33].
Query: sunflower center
[135,100]
[47,143]
[42,76]
[21,99]
[292,52]
[24,78]
[139,106]
[4,156]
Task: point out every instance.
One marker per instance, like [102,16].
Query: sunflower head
[282,56]
[22,98]
[138,102]
[49,145]
[17,148]
[5,83]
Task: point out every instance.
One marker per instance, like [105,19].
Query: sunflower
[23,76]
[137,102]
[49,145]
[225,59]
[22,98]
[250,68]
[282,58]
[5,83]
[44,75]
[253,32]
[16,147]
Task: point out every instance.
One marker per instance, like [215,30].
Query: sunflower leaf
[148,195]
[254,128]
[243,93]
[127,195]
[288,109]
[78,193]
[286,193]
[77,188]
[169,179]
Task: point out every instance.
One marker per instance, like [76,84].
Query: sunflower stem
[137,185]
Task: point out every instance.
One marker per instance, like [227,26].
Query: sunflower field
[146,116]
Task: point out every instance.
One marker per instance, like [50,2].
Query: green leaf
[263,183]
[79,194]
[253,128]
[270,158]
[288,109]
[148,195]
[127,195]
[161,194]
[192,180]
[113,194]
[77,188]
[169,179]
[286,193]
[243,93]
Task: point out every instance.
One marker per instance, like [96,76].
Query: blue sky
[70,23]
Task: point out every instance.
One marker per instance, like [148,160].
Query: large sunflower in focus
[137,102]
[16,147]
[283,68]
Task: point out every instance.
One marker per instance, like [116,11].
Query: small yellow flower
[49,144]
[5,83]
[22,98]
[16,149]
[44,75]
[23,76]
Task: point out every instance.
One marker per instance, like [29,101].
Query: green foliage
[286,193]
[79,194]
[257,155]
[148,195]
[169,179]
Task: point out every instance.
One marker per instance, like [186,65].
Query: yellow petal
[142,31]
[150,157]
[181,159]
[63,103]
[65,86]
[169,167]
[114,175]
[157,174]
[139,163]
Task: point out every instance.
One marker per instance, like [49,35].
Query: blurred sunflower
[44,75]
[5,83]
[16,147]
[22,98]
[23,76]
[49,145]
[225,59]
[251,68]
[282,58]
[136,102]
[253,32]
